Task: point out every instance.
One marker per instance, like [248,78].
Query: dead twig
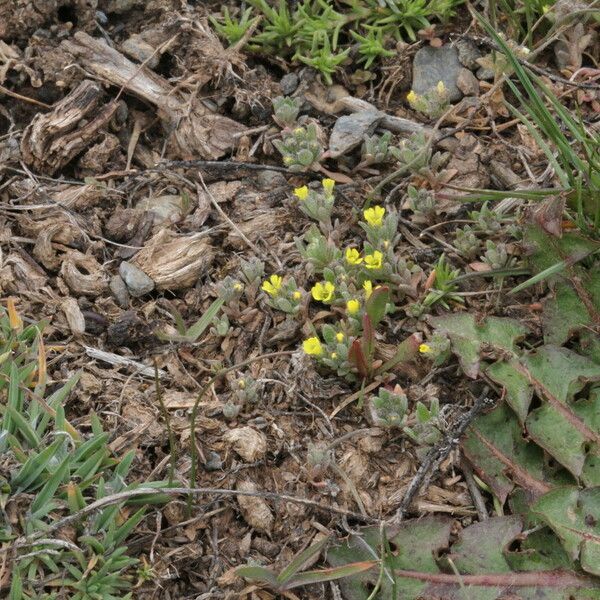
[439,453]
[474,490]
[118,498]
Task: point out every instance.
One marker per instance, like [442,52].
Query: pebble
[119,290]
[468,53]
[485,74]
[213,461]
[467,83]
[166,209]
[349,131]
[270,180]
[138,283]
[288,84]
[432,65]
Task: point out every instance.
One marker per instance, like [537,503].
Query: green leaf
[573,514]
[480,548]
[468,336]
[36,464]
[199,327]
[41,505]
[300,561]
[407,350]
[322,575]
[377,303]
[123,531]
[481,564]
[256,573]
[503,457]
[23,427]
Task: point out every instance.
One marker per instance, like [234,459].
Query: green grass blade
[43,502]
[198,328]
[300,560]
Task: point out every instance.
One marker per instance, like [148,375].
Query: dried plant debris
[299,299]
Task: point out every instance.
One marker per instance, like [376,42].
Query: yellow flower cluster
[323,291]
[272,286]
[374,215]
[353,256]
[301,192]
[312,346]
[328,185]
[352,306]
[374,261]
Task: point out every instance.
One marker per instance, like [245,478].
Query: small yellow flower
[272,286]
[411,97]
[368,287]
[374,216]
[374,261]
[238,287]
[297,295]
[288,160]
[441,88]
[352,306]
[323,291]
[298,130]
[301,192]
[353,256]
[339,336]
[334,355]
[424,348]
[242,384]
[328,185]
[312,346]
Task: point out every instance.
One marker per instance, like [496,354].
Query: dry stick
[438,454]
[119,497]
[205,388]
[474,490]
[225,166]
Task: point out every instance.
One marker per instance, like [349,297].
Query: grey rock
[138,283]
[269,180]
[349,131]
[119,290]
[213,461]
[288,84]
[432,65]
[468,53]
[485,74]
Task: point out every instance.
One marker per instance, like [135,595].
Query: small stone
[432,65]
[166,209]
[288,84]
[269,180]
[138,283]
[468,53]
[119,290]
[349,131]
[213,461]
[484,74]
[467,83]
